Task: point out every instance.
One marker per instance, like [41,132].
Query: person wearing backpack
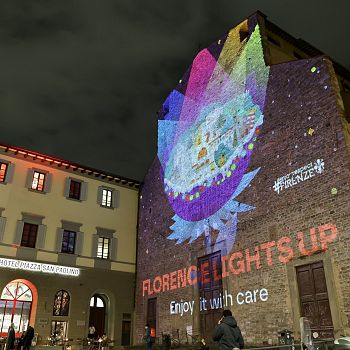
[227,333]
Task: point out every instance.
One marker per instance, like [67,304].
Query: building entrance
[126,332]
[210,289]
[15,306]
[98,314]
[152,312]
[314,299]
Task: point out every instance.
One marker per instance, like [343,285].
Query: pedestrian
[11,336]
[20,341]
[104,341]
[92,331]
[148,337]
[28,337]
[227,333]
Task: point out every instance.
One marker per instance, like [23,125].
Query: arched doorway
[18,303]
[98,313]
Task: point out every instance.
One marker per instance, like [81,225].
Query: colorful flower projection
[207,136]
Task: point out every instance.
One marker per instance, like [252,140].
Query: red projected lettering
[250,259]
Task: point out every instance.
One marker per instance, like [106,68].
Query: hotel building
[67,248]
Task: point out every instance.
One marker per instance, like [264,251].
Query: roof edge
[58,162]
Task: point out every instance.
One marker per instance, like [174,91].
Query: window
[61,303]
[59,329]
[29,235]
[103,248]
[106,197]
[74,189]
[15,305]
[3,170]
[6,172]
[2,224]
[96,301]
[38,181]
[68,241]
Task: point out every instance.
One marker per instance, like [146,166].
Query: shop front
[60,302]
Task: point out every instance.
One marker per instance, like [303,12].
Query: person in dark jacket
[147,337]
[20,342]
[28,337]
[227,333]
[10,341]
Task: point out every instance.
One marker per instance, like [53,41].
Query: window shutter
[83,191]
[59,237]
[19,232]
[9,172]
[99,195]
[2,227]
[67,187]
[29,178]
[48,182]
[94,246]
[40,240]
[113,248]
[115,198]
[79,240]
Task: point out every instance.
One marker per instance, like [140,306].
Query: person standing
[92,331]
[227,333]
[10,341]
[148,337]
[28,337]
[20,342]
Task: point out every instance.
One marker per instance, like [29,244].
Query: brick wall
[299,97]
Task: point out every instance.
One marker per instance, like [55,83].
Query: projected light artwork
[207,136]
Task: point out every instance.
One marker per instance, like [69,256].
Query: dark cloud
[83,80]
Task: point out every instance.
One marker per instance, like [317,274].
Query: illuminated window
[106,197]
[68,242]
[3,169]
[29,235]
[96,301]
[15,306]
[38,181]
[59,329]
[61,303]
[103,247]
[74,189]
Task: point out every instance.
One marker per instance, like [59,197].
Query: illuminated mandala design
[207,136]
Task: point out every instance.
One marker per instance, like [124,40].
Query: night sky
[83,80]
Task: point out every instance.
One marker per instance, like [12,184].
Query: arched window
[61,303]
[15,306]
[97,301]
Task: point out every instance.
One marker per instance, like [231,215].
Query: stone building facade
[246,205]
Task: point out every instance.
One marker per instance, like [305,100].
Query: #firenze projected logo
[207,136]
